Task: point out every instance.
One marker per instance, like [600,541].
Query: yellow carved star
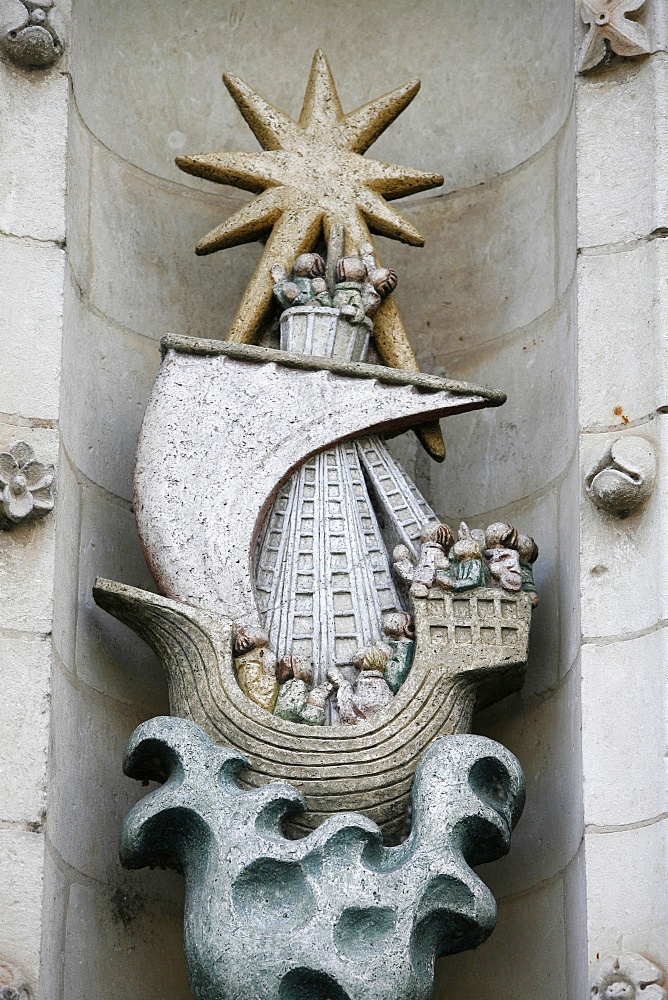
[310,178]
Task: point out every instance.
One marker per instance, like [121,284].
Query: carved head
[501,535]
[527,549]
[258,652]
[466,546]
[384,280]
[398,625]
[245,641]
[435,533]
[303,669]
[350,269]
[285,670]
[308,265]
[400,553]
[372,658]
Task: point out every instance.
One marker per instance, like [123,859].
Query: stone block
[524,957]
[145,274]
[33,125]
[25,665]
[109,657]
[621,302]
[65,593]
[89,796]
[453,127]
[624,585]
[622,195]
[119,943]
[108,375]
[627,907]
[21,868]
[496,457]
[623,738]
[26,553]
[31,290]
[544,735]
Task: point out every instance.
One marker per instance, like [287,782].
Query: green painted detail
[335,915]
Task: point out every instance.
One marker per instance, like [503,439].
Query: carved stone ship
[470,649]
[271,511]
[204,489]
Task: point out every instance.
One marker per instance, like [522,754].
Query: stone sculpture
[622,479]
[610,28]
[336,914]
[626,977]
[313,187]
[296,647]
[32,32]
[458,566]
[26,486]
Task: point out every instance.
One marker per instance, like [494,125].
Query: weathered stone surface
[335,913]
[226,425]
[478,116]
[470,648]
[33,124]
[625,910]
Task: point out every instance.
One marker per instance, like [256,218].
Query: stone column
[623,299]
[33,126]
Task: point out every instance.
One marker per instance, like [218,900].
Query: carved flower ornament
[26,485]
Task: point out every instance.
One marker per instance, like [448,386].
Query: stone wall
[33,125]
[491,298]
[623,296]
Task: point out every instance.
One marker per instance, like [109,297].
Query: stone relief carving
[335,914]
[307,188]
[319,622]
[13,984]
[610,29]
[26,486]
[623,477]
[627,977]
[32,32]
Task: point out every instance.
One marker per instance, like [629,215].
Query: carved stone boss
[610,28]
[319,626]
[32,32]
[26,486]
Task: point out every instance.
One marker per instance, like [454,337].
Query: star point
[310,176]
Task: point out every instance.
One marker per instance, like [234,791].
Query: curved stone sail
[227,424]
